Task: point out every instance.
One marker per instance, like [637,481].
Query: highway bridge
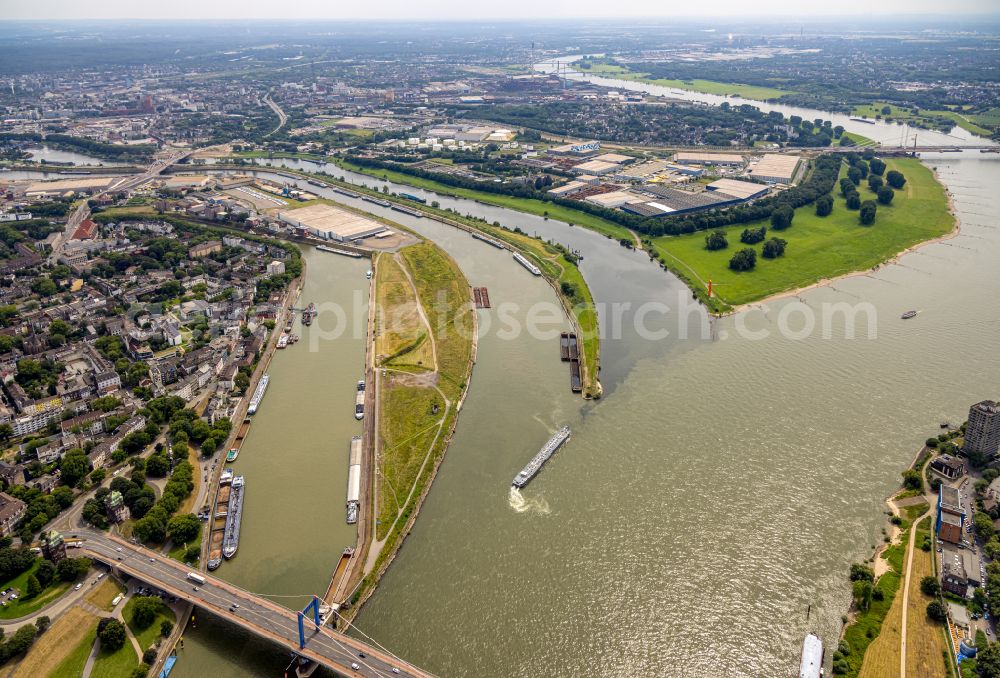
[247,610]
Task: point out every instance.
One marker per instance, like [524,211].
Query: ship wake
[520,504]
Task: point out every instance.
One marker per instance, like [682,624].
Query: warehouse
[775,169]
[616,158]
[664,201]
[641,172]
[744,190]
[723,159]
[331,223]
[614,199]
[92,184]
[595,167]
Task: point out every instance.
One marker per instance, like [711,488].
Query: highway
[282,117]
[258,615]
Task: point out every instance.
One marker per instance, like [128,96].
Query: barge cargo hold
[359,402]
[344,191]
[519,258]
[376,201]
[258,394]
[535,465]
[231,536]
[408,210]
[354,481]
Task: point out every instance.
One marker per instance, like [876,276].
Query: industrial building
[744,190]
[582,148]
[91,184]
[664,200]
[331,223]
[595,167]
[722,159]
[775,168]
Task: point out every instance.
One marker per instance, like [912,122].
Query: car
[362,655]
[152,560]
[78,587]
[394,669]
[236,605]
[354,665]
[119,549]
[195,588]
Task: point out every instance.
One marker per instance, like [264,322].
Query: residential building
[951,515]
[982,433]
[948,466]
[11,512]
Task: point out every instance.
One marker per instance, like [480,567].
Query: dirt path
[906,593]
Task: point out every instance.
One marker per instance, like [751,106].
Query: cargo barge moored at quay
[354,481]
[535,465]
[521,259]
[219,518]
[231,536]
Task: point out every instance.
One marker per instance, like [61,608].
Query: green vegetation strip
[73,665]
[697,85]
[24,606]
[819,248]
[147,635]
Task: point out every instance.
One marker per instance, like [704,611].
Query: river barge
[481,297]
[308,313]
[414,198]
[232,454]
[218,519]
[376,201]
[811,663]
[316,182]
[354,481]
[908,315]
[258,394]
[489,241]
[344,191]
[408,210]
[334,250]
[520,258]
[535,465]
[283,341]
[569,348]
[231,536]
[359,401]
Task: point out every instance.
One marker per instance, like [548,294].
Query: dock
[481,296]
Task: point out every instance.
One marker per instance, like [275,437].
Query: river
[720,487]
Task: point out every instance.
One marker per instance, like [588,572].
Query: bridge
[258,615]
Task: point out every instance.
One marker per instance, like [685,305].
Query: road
[282,117]
[258,615]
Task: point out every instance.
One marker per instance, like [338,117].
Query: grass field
[118,664]
[25,606]
[177,550]
[529,205]
[61,651]
[402,339]
[704,86]
[148,635]
[102,594]
[820,247]
[925,643]
[924,118]
[417,410]
[859,140]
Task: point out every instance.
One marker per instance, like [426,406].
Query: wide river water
[722,486]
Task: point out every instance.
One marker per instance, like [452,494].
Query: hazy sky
[464,9]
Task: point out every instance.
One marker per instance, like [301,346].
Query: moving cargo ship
[908,315]
[535,465]
[231,536]
[519,258]
[354,481]
[258,395]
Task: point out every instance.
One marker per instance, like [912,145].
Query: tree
[71,569]
[861,572]
[157,466]
[144,610]
[824,205]
[34,587]
[73,467]
[716,240]
[895,179]
[875,182]
[42,623]
[774,248]
[885,195]
[867,214]
[937,611]
[183,528]
[876,166]
[988,661]
[854,174]
[752,236]
[853,201]
[984,525]
[744,260]
[166,628]
[45,572]
[148,658]
[930,586]
[209,445]
[781,217]
[912,479]
[112,634]
[862,591]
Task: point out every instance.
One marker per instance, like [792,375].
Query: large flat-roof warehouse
[331,223]
[775,169]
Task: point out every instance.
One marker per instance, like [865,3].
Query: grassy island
[818,248]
